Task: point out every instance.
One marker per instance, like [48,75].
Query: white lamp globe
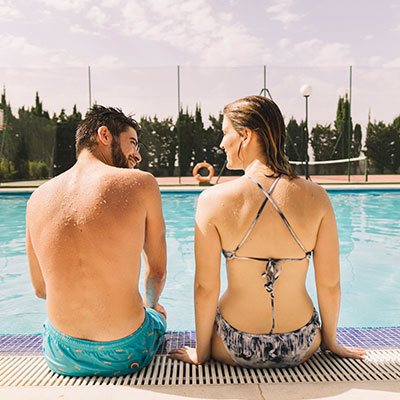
[306,90]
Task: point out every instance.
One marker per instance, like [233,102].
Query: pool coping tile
[367,338]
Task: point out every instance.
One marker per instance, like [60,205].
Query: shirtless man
[86,230]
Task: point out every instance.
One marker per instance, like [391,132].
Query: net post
[178,122]
[222,170]
[306,144]
[90,86]
[265,80]
[349,133]
[3,129]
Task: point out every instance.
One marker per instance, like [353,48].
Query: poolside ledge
[189,181]
[333,391]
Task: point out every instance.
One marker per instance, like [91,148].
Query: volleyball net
[346,166]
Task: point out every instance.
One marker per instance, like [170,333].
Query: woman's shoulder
[224,190]
[218,198]
[314,194]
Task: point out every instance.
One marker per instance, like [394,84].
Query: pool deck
[333,385]
[190,183]
[333,391]
[380,390]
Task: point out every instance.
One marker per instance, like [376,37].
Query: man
[86,230]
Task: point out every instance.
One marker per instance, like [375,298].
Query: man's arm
[154,249]
[34,267]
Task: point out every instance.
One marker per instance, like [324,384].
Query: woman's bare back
[246,304]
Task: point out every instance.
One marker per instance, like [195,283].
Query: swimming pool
[369,233]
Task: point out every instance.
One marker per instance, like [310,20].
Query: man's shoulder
[44,190]
[134,183]
[136,177]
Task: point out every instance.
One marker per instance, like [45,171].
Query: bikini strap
[268,195]
[260,209]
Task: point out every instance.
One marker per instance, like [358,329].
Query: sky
[133,48]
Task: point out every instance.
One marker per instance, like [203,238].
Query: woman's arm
[207,281]
[327,279]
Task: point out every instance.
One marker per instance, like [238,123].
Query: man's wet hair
[113,118]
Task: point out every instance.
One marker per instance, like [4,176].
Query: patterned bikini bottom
[267,351]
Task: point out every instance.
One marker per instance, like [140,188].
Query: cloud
[369,37]
[284,43]
[374,61]
[316,53]
[110,3]
[11,45]
[395,63]
[79,29]
[107,61]
[8,12]
[397,28]
[192,26]
[96,15]
[280,12]
[21,52]
[66,5]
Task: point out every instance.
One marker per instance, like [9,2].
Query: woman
[267,223]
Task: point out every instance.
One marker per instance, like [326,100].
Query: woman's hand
[186,354]
[345,352]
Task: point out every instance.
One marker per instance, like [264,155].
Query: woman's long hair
[263,117]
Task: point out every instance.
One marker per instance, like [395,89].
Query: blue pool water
[369,233]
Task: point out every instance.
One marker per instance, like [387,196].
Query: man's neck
[86,156]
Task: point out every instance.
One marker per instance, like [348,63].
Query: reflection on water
[369,233]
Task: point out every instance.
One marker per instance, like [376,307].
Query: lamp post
[306,91]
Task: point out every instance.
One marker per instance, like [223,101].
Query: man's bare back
[86,230]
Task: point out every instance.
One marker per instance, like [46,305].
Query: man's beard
[118,157]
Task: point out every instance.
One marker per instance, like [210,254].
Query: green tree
[356,142]
[396,143]
[295,140]
[39,136]
[65,157]
[382,146]
[159,146]
[7,169]
[199,138]
[322,141]
[8,142]
[38,108]
[344,133]
[21,160]
[213,137]
[186,126]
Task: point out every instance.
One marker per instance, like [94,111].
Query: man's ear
[104,136]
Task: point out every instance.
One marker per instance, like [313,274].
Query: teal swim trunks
[66,355]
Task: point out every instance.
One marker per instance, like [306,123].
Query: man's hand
[158,307]
[186,354]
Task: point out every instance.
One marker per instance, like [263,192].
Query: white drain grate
[381,365]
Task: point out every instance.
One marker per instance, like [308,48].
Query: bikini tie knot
[272,270]
[229,255]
